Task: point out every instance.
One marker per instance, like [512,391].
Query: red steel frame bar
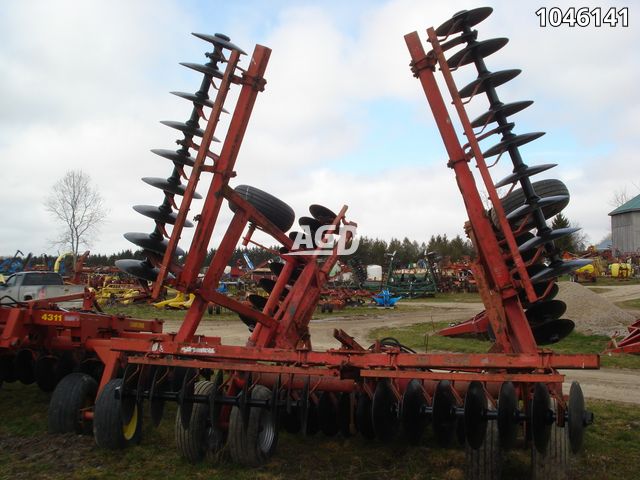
[507,318]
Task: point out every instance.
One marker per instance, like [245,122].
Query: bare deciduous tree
[77,204]
[619,197]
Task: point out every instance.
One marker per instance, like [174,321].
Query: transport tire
[485,463]
[253,444]
[109,429]
[199,439]
[554,463]
[543,188]
[278,212]
[73,394]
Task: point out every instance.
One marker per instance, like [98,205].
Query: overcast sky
[84,84]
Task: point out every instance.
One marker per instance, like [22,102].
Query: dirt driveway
[605,384]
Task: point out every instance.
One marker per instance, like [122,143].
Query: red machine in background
[277,379]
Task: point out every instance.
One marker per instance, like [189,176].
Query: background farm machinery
[235,398]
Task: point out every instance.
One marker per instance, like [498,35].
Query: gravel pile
[591,312]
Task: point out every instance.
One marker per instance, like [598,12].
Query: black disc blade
[384,412]
[475,415]
[310,222]
[151,242]
[328,414]
[249,322]
[267,284]
[204,69]
[159,215]
[276,268]
[188,130]
[443,416]
[507,416]
[258,301]
[524,173]
[541,312]
[197,99]
[548,236]
[167,186]
[138,268]
[177,156]
[491,79]
[541,417]
[514,141]
[465,18]
[552,331]
[505,108]
[219,40]
[322,214]
[554,202]
[576,417]
[476,50]
[559,268]
[363,420]
[414,420]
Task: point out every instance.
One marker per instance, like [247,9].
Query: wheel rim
[129,428]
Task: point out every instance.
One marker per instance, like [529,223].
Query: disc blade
[198,100]
[159,215]
[476,50]
[384,412]
[219,40]
[267,284]
[258,301]
[465,18]
[328,414]
[310,222]
[322,214]
[491,79]
[507,416]
[514,141]
[167,186]
[177,156]
[414,420]
[151,242]
[138,268]
[541,417]
[204,69]
[545,202]
[559,268]
[541,312]
[276,268]
[188,130]
[552,331]
[548,236]
[443,416]
[363,420]
[524,173]
[475,418]
[505,108]
[249,322]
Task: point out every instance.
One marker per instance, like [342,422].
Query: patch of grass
[448,297]
[633,304]
[612,447]
[600,290]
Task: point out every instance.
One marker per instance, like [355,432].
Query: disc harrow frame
[278,374]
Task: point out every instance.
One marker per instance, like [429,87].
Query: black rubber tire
[253,444]
[74,393]
[210,309]
[485,463]
[108,429]
[543,188]
[199,439]
[278,212]
[554,464]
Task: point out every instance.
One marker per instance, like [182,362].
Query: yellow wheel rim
[129,429]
